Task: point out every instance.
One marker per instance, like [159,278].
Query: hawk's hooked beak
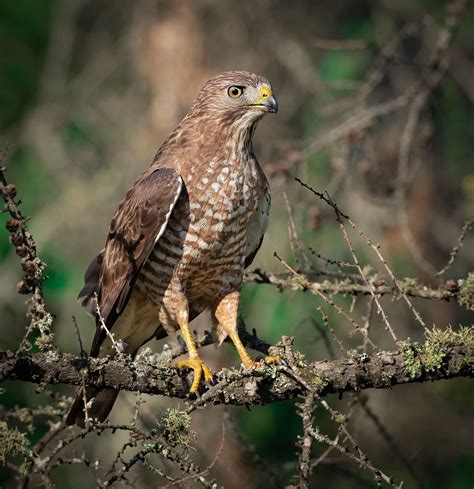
[266,101]
[271,104]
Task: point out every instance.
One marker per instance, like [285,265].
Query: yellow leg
[244,356]
[194,361]
[226,313]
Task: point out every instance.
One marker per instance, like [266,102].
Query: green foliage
[348,65]
[59,273]
[262,427]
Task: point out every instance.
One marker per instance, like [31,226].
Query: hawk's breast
[216,224]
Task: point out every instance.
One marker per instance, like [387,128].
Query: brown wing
[139,222]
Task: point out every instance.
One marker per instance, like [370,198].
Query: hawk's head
[237,95]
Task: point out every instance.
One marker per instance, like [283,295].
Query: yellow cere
[265,92]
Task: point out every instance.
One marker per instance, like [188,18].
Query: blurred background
[90,88]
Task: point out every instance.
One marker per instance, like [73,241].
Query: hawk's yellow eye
[235,91]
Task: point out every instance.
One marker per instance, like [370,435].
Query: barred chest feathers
[227,207]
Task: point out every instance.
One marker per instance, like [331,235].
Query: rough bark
[433,360]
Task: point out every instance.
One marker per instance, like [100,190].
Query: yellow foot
[272,359]
[199,368]
[269,360]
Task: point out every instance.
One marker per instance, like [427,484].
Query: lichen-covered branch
[445,354]
[352,285]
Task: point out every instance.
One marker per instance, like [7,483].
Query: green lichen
[430,356]
[176,427]
[448,337]
[163,362]
[318,436]
[353,353]
[466,292]
[45,341]
[367,270]
[433,356]
[300,360]
[319,383]
[411,358]
[25,416]
[464,336]
[230,374]
[266,370]
[13,443]
[298,284]
[44,323]
[407,284]
[283,383]
[371,275]
[339,418]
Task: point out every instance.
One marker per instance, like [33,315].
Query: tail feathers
[99,410]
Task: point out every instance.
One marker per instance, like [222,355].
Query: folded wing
[139,222]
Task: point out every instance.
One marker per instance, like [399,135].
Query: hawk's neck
[227,140]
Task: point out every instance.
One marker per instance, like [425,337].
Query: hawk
[181,238]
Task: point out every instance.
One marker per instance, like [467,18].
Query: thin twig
[326,299]
[305,441]
[454,252]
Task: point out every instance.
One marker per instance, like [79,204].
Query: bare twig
[326,299]
[116,345]
[305,441]
[454,252]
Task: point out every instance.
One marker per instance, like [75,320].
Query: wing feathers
[140,220]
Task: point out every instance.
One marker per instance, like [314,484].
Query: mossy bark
[444,355]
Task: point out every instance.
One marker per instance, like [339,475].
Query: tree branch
[445,354]
[353,286]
